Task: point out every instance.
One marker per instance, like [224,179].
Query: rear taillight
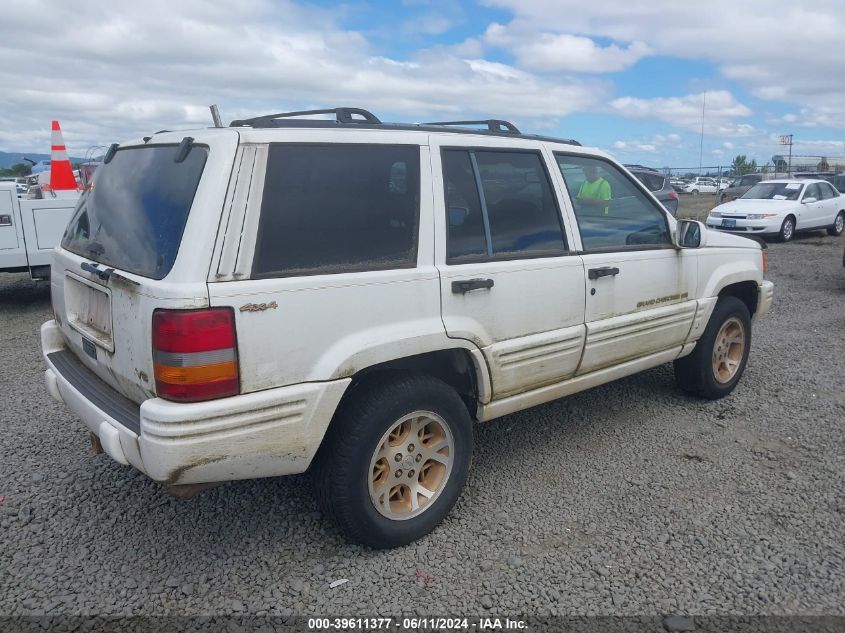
[765,255]
[195,354]
[673,195]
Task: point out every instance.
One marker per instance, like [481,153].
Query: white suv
[348,296]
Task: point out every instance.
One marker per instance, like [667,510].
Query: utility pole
[701,145]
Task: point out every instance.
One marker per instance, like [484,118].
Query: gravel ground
[628,499]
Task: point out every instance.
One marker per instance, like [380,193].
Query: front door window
[612,212]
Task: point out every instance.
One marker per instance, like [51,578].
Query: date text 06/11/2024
[416,624]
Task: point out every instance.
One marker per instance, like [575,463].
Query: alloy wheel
[411,465]
[728,350]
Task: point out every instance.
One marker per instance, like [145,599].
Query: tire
[838,225]
[356,472]
[697,373]
[787,229]
[722,199]
[694,192]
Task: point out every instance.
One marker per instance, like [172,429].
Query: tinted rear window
[133,216]
[653,182]
[338,208]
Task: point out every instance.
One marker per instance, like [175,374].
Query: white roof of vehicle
[322,134]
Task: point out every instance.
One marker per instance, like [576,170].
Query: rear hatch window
[133,215]
[653,182]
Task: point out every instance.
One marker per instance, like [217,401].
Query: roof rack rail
[493,125]
[342,115]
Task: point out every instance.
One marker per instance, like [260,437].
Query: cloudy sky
[626,76]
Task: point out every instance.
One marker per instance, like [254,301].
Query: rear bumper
[263,434]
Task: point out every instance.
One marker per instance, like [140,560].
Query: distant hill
[7,159]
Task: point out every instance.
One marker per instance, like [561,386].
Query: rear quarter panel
[323,327]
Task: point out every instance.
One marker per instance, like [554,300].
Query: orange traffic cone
[61,173]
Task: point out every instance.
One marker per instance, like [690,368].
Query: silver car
[658,184]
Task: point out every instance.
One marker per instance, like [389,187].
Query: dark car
[739,186]
[658,184]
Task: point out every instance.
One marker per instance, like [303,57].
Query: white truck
[31,229]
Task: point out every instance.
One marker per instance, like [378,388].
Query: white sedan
[782,207]
[702,185]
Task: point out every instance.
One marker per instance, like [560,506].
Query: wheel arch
[745,291]
[458,367]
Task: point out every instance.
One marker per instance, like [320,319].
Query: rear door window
[500,205]
[331,209]
[134,213]
[827,191]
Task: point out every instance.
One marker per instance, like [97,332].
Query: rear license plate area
[89,348]
[88,308]
[728,223]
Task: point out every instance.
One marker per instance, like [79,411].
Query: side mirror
[808,200]
[690,234]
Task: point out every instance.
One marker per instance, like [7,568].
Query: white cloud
[563,51]
[658,143]
[667,139]
[825,146]
[115,73]
[112,75]
[720,112]
[631,146]
[779,49]
[728,145]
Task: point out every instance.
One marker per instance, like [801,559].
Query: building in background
[821,164]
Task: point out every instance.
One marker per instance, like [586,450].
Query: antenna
[215,115]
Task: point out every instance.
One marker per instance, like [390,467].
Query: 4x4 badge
[259,307]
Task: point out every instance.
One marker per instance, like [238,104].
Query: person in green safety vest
[595,191]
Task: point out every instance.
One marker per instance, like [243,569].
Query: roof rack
[342,115]
[493,125]
[364,119]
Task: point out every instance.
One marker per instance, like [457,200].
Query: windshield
[134,212]
[774,191]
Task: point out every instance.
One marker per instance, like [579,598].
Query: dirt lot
[628,499]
